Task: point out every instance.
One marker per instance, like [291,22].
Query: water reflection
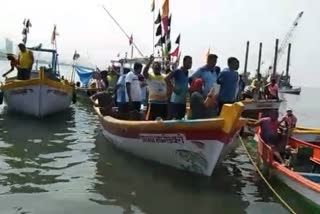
[35,154]
[132,183]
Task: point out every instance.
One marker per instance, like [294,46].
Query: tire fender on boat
[1,97]
[74,97]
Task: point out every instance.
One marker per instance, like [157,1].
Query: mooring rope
[265,180]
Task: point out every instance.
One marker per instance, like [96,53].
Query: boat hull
[252,109]
[294,180]
[197,156]
[193,145]
[311,135]
[295,91]
[298,187]
[37,100]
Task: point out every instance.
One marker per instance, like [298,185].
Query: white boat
[42,94]
[193,145]
[252,108]
[288,90]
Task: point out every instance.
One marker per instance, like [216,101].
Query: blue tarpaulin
[84,74]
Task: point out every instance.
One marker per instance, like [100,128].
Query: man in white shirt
[133,87]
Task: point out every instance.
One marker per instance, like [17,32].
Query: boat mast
[275,58]
[259,60]
[288,62]
[123,31]
[246,63]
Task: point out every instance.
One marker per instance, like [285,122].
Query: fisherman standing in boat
[133,88]
[228,80]
[269,133]
[157,88]
[177,83]
[25,62]
[13,64]
[208,73]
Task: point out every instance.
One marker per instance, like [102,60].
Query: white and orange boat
[193,145]
[303,177]
[43,94]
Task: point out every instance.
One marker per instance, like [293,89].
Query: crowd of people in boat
[164,92]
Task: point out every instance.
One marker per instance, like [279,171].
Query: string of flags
[163,31]
[26,29]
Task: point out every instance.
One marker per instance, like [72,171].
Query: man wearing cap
[197,102]
[25,62]
[289,119]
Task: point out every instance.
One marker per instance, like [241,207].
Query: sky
[223,25]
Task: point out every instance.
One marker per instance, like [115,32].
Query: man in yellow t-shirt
[25,63]
[158,99]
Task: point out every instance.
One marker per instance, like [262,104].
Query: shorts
[135,106]
[123,107]
[177,111]
[24,73]
[157,110]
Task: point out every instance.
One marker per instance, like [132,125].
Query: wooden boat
[191,145]
[304,177]
[43,94]
[311,135]
[288,90]
[252,108]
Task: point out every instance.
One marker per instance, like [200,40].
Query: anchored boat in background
[43,94]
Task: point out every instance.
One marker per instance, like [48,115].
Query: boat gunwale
[295,176]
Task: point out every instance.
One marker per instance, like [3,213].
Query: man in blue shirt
[228,80]
[177,83]
[208,73]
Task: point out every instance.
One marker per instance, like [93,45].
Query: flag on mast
[54,34]
[153,5]
[165,16]
[178,39]
[158,20]
[75,55]
[131,40]
[207,54]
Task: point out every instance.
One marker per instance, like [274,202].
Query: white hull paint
[299,188]
[290,90]
[37,100]
[315,138]
[256,106]
[186,156]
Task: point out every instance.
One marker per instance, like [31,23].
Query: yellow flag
[165,9]
[207,54]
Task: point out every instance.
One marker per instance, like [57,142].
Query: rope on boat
[265,180]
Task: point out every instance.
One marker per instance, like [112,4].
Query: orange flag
[165,8]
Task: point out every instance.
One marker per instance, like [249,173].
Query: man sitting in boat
[199,106]
[269,133]
[177,88]
[105,102]
[157,88]
[25,63]
[228,80]
[133,88]
[271,90]
[13,64]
